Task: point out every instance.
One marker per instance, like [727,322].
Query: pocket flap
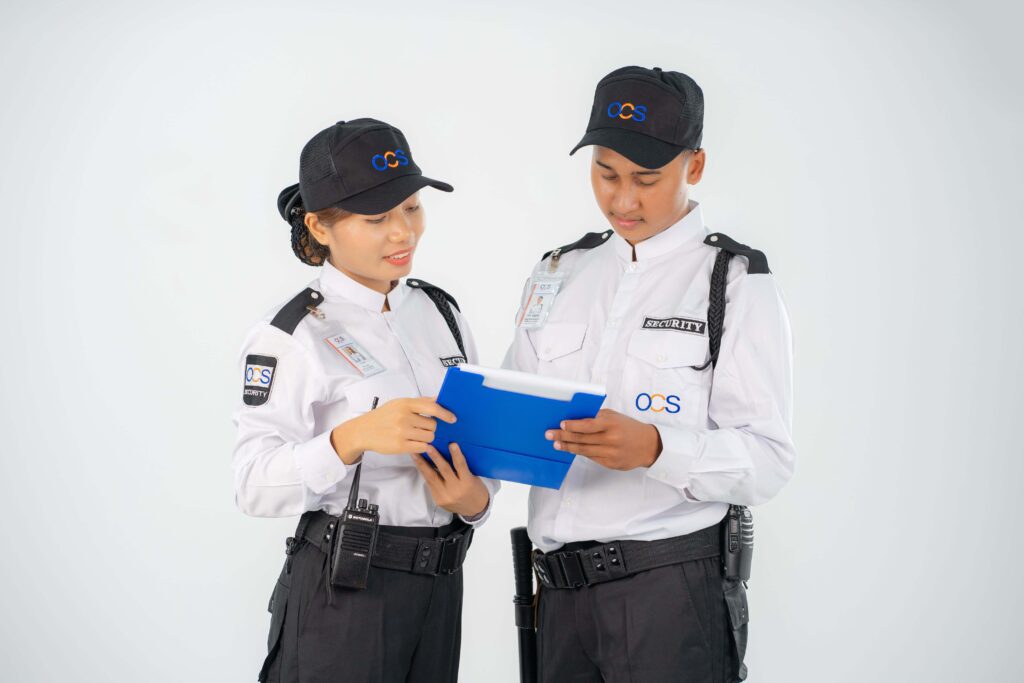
[668,348]
[736,600]
[555,340]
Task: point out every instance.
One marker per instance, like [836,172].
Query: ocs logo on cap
[382,162]
[627,110]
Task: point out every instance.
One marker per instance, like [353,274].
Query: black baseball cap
[647,115]
[364,166]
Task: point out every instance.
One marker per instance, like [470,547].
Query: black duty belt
[603,562]
[406,549]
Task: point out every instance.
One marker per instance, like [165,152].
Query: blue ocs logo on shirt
[657,403]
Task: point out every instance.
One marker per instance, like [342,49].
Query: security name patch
[452,361]
[678,324]
[258,380]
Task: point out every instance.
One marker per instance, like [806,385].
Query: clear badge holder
[545,283]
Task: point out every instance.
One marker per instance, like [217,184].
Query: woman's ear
[316,228]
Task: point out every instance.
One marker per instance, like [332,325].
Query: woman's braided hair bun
[307,249]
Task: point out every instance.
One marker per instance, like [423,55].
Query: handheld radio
[738,542]
[355,539]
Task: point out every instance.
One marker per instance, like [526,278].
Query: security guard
[333,410]
[698,414]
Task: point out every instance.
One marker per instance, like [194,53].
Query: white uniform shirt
[284,463]
[726,435]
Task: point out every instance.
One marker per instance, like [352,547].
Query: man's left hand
[611,440]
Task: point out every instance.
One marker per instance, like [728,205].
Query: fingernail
[562,425]
[549,435]
[558,446]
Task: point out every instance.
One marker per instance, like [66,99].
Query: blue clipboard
[501,432]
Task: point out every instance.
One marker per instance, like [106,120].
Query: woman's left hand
[456,489]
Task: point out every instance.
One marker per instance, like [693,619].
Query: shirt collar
[333,282]
[688,229]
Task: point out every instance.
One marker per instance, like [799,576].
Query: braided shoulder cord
[445,308]
[716,303]
[716,306]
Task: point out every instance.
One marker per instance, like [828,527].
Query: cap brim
[639,148]
[383,198]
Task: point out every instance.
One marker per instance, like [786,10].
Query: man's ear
[316,228]
[695,170]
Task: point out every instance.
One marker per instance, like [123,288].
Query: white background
[871,149]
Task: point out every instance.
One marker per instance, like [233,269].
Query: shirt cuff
[476,520]
[679,449]
[319,465]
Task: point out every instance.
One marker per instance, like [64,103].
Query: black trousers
[402,628]
[681,623]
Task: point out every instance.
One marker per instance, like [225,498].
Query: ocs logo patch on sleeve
[259,379]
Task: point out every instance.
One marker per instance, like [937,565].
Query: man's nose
[626,200]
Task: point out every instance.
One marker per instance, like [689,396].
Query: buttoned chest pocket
[661,378]
[559,349]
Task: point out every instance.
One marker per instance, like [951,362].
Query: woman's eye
[376,221]
[412,209]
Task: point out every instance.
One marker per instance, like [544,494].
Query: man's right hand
[403,425]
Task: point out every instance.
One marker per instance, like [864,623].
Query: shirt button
[661,356]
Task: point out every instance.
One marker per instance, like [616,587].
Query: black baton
[522,550]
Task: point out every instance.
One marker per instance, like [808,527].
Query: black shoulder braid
[292,313]
[444,302]
[588,241]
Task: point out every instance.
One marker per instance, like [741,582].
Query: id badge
[540,298]
[355,355]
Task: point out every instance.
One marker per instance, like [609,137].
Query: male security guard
[698,414]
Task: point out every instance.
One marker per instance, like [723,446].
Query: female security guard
[333,392]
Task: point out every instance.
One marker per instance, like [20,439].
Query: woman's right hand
[403,425]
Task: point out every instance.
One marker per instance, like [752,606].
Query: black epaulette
[292,313]
[426,286]
[588,241]
[757,262]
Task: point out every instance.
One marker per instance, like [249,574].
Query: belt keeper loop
[449,554]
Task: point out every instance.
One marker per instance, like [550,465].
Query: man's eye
[376,221]
[610,177]
[413,209]
[641,184]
